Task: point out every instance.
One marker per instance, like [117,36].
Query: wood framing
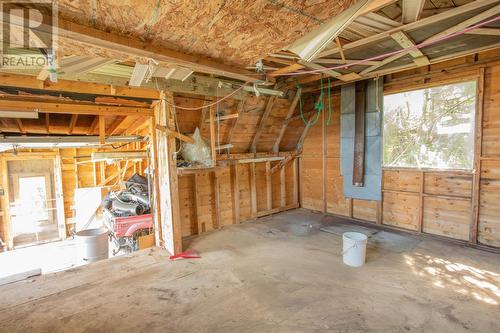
[478,153]
[262,121]
[289,115]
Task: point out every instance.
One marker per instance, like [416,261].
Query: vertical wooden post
[478,153]
[212,135]
[253,190]
[6,204]
[295,171]
[421,202]
[102,130]
[236,193]
[217,221]
[269,188]
[197,205]
[157,196]
[359,135]
[282,187]
[172,166]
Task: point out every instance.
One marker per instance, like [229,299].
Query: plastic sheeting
[197,152]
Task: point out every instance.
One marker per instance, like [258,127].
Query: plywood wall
[429,201]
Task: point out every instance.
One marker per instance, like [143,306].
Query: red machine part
[126,226]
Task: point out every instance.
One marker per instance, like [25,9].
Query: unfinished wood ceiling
[236,32]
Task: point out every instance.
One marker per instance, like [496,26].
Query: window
[430,128]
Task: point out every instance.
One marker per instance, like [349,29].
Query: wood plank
[291,110]
[18,104]
[102,130]
[200,227]
[217,204]
[172,165]
[213,152]
[269,186]
[262,121]
[235,183]
[412,10]
[175,134]
[295,172]
[406,42]
[282,188]
[253,190]
[284,70]
[364,42]
[72,123]
[478,144]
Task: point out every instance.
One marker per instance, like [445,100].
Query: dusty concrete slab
[279,274]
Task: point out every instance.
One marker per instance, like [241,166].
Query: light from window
[430,128]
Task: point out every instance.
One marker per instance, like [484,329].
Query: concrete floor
[279,274]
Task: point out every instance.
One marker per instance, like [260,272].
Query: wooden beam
[328,72]
[485,31]
[284,70]
[217,206]
[225,117]
[93,126]
[253,191]
[230,133]
[213,152]
[405,42]
[295,172]
[359,135]
[300,142]
[382,63]
[478,152]
[203,113]
[47,123]
[466,23]
[200,227]
[311,44]
[346,61]
[291,110]
[20,125]
[175,134]
[19,104]
[72,123]
[412,10]
[235,182]
[172,165]
[262,121]
[116,124]
[260,159]
[341,50]
[102,130]
[269,186]
[364,42]
[282,188]
[28,81]
[70,33]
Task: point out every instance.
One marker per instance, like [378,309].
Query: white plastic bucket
[354,248]
[92,244]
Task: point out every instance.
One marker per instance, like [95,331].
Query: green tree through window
[430,128]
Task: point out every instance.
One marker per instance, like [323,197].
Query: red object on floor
[189,254]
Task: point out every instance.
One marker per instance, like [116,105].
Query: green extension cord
[318,106]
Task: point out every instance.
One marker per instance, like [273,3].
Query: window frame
[477,123]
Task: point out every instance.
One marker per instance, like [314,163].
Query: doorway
[33,206]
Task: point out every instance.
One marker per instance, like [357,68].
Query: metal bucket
[92,244]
